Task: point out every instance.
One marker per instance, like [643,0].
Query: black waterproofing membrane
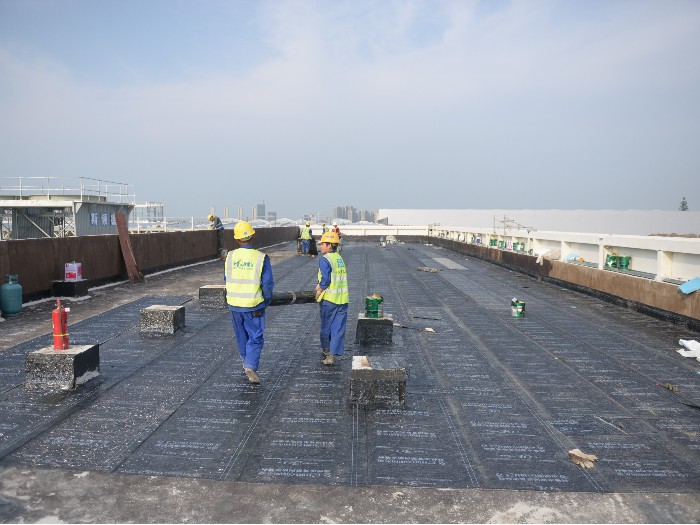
[492,401]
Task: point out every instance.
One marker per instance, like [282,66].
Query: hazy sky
[539,104]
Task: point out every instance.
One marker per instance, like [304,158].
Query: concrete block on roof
[64,369]
[212,296]
[374,331]
[377,380]
[69,288]
[159,319]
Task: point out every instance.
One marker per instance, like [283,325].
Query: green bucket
[492,242]
[373,306]
[611,261]
[517,308]
[623,262]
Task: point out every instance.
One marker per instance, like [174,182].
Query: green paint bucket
[623,262]
[517,308]
[611,261]
[373,306]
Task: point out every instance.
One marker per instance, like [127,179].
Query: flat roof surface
[493,405]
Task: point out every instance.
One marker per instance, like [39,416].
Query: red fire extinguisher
[60,327]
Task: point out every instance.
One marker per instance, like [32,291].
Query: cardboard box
[74,272]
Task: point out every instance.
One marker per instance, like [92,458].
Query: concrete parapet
[212,296]
[159,319]
[102,259]
[377,379]
[374,331]
[65,369]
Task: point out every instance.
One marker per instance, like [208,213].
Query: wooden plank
[127,251]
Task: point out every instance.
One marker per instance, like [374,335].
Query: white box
[74,272]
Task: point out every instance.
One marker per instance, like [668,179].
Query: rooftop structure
[34,207]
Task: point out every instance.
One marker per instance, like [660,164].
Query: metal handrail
[24,187]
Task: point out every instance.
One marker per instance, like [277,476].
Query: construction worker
[336,229]
[324,228]
[333,298]
[306,236]
[249,284]
[217,225]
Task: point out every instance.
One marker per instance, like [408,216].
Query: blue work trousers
[249,332]
[305,246]
[334,319]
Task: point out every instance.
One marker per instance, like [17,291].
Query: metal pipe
[286,298]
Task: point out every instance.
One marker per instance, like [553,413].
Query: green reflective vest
[337,291]
[306,233]
[243,276]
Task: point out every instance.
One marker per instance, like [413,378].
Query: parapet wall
[656,298]
[38,262]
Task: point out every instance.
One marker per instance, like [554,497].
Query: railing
[140,224]
[83,188]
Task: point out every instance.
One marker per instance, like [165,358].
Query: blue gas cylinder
[11,296]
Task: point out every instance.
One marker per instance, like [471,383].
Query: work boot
[328,361]
[325,351]
[252,376]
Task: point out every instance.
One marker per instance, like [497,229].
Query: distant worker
[249,284]
[217,225]
[306,236]
[333,298]
[324,228]
[336,229]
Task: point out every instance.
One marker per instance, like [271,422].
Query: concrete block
[69,288]
[377,380]
[159,319]
[374,331]
[65,369]
[212,296]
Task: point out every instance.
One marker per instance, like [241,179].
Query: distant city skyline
[260,211]
[543,104]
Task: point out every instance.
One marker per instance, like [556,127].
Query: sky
[306,105]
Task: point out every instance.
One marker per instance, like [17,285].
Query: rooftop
[172,431]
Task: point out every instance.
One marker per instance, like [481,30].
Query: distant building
[349,213]
[260,211]
[366,215]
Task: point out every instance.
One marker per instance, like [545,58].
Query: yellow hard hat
[308,223]
[330,237]
[211,217]
[243,230]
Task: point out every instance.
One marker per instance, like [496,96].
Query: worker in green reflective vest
[333,298]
